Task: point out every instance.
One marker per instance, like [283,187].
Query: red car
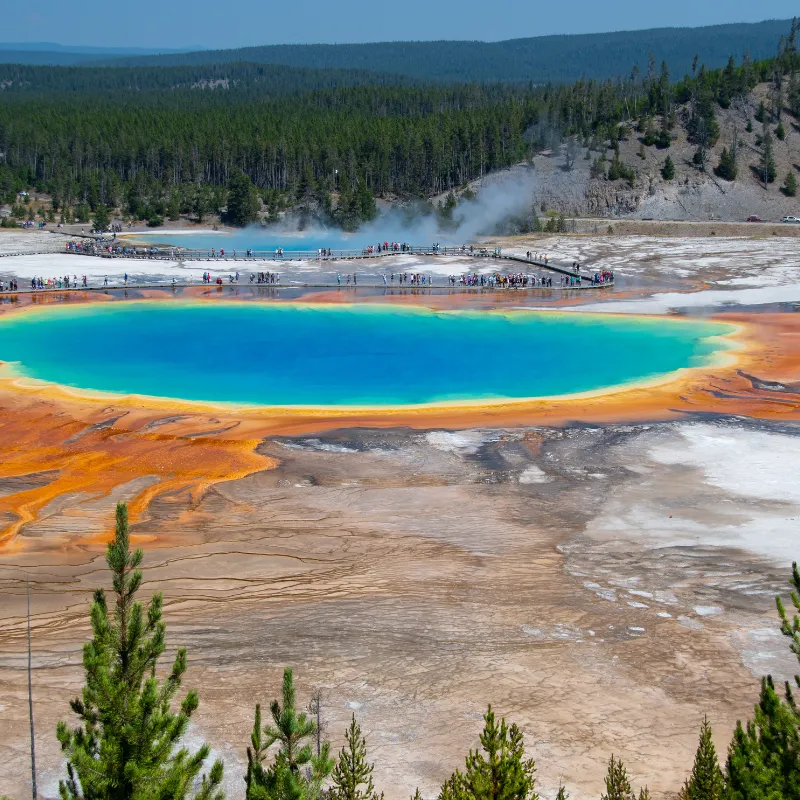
[754,218]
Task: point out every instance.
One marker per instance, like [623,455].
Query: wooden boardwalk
[405,288]
[184,256]
[512,263]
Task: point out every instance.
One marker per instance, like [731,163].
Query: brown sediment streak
[88,456]
[90,447]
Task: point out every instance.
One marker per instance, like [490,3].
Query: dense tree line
[395,139]
[128,744]
[247,80]
[158,152]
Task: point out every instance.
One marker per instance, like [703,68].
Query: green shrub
[663,139]
[727,168]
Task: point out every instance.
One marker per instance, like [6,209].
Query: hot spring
[284,354]
[267,241]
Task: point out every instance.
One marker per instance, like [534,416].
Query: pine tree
[203,202]
[705,782]
[727,168]
[764,756]
[174,208]
[726,84]
[766,168]
[101,218]
[700,158]
[668,170]
[352,770]
[276,783]
[453,788]
[790,184]
[598,167]
[663,138]
[746,776]
[295,774]
[502,773]
[618,784]
[367,208]
[243,202]
[127,745]
[291,728]
[702,128]
[562,793]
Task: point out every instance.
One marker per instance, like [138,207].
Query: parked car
[791,219]
[754,218]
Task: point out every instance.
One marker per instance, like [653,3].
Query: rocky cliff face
[692,194]
[611,199]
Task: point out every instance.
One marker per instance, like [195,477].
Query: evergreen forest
[165,141]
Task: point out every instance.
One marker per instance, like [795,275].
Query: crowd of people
[386,247]
[92,247]
[263,277]
[496,279]
[208,278]
[64,282]
[515,280]
[414,279]
[540,257]
[29,223]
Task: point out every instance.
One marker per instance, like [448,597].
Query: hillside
[692,195]
[539,59]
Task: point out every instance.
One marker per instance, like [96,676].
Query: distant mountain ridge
[53,54]
[54,47]
[543,59]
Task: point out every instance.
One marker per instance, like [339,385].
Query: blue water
[261,240]
[290,355]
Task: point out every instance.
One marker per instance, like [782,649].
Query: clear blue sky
[238,23]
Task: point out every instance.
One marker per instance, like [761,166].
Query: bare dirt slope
[691,195]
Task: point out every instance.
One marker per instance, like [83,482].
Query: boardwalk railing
[248,256]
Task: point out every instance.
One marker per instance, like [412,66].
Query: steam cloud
[501,197]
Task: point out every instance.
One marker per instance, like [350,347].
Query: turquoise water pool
[354,355]
[260,240]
